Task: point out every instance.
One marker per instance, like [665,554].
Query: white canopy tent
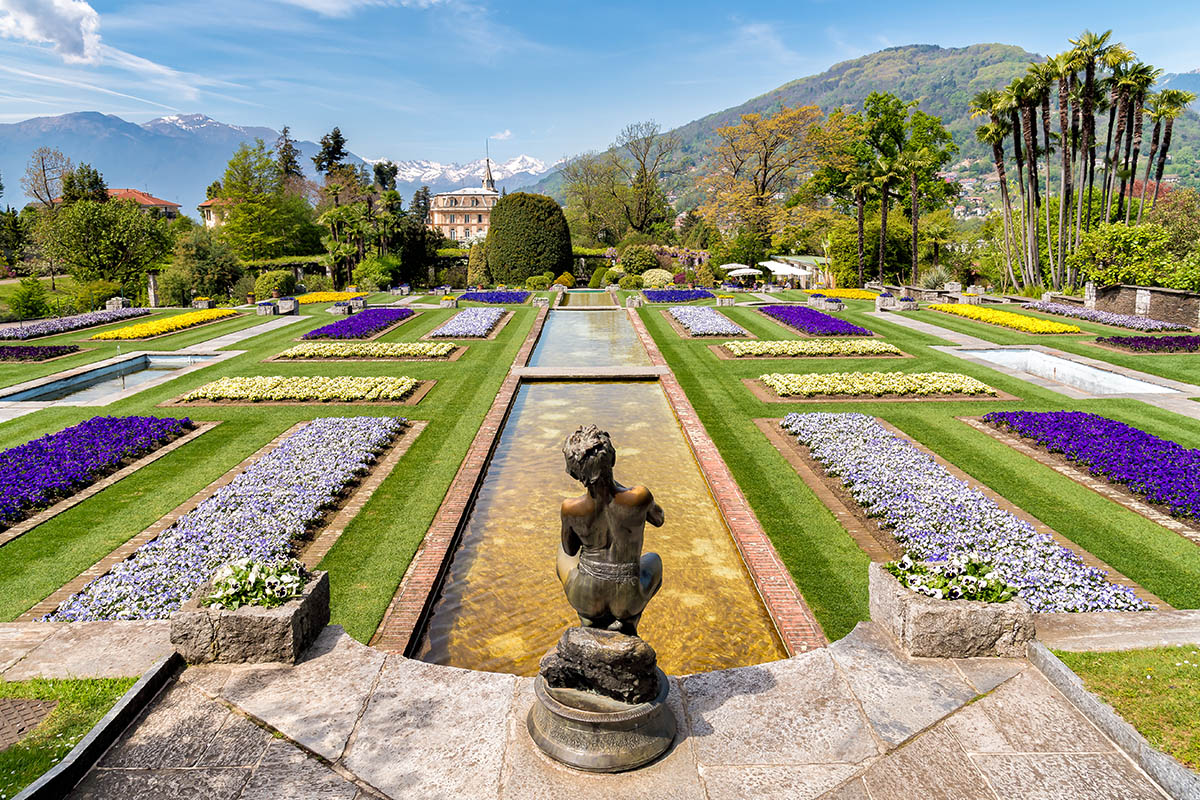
[779,268]
[740,271]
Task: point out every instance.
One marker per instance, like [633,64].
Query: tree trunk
[1089,134]
[1128,120]
[1064,190]
[1149,165]
[1035,197]
[1018,155]
[1162,160]
[1116,99]
[913,188]
[883,211]
[861,202]
[1049,179]
[1131,166]
[998,158]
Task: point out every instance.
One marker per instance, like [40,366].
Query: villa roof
[140,197]
[469,191]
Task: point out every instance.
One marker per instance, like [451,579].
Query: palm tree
[994,134]
[1174,101]
[1041,80]
[1115,58]
[1090,47]
[887,174]
[1142,76]
[914,163]
[1063,67]
[1010,103]
[938,231]
[862,182]
[1156,113]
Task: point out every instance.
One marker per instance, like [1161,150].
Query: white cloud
[71,26]
[502,135]
[344,8]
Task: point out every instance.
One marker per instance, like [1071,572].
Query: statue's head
[590,455]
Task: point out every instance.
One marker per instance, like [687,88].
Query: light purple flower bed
[496,297]
[474,323]
[259,516]
[936,517]
[705,321]
[54,325]
[813,322]
[1103,317]
[361,325]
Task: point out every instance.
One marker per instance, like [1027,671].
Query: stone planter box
[448,302]
[251,634]
[886,304]
[116,303]
[203,305]
[831,305]
[541,302]
[816,302]
[971,300]
[930,628]
[439,292]
[341,310]
[358,303]
[952,287]
[266,309]
[725,301]
[289,306]
[906,305]
[634,301]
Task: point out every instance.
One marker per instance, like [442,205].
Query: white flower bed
[704,321]
[812,347]
[938,517]
[470,323]
[918,384]
[370,350]
[343,388]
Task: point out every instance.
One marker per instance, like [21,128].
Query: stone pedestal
[725,301]
[266,309]
[634,301]
[541,302]
[152,289]
[288,305]
[448,302]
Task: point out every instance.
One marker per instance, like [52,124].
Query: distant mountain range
[178,156]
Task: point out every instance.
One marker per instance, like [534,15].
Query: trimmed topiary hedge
[279,279]
[528,236]
[597,281]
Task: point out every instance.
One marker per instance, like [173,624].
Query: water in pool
[588,338]
[104,381]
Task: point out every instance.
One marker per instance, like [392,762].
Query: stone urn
[931,628]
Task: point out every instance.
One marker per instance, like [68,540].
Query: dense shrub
[614,275]
[375,273]
[316,282]
[528,235]
[93,294]
[631,282]
[280,280]
[29,300]
[1186,274]
[638,258]
[455,277]
[1114,253]
[656,278]
[208,264]
[537,282]
[566,279]
[597,281]
[705,277]
[477,271]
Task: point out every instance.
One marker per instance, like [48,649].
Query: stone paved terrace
[855,720]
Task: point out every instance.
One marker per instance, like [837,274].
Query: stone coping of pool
[877,541]
[206,359]
[418,393]
[499,326]
[455,355]
[1160,515]
[17,362]
[350,498]
[629,372]
[370,338]
[720,352]
[29,523]
[686,334]
[768,395]
[139,321]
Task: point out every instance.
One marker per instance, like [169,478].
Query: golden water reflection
[502,606]
[588,338]
[593,298]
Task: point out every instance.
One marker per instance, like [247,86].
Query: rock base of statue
[601,702]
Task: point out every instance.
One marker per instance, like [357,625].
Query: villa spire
[488,182]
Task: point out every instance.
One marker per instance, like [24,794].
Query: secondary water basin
[588,338]
[1084,377]
[99,383]
[587,297]
[502,606]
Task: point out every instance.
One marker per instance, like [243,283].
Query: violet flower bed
[361,325]
[38,474]
[35,352]
[813,322]
[676,295]
[474,323]
[259,515]
[1154,344]
[705,321]
[54,325]
[1159,470]
[937,517]
[495,297]
[1104,317]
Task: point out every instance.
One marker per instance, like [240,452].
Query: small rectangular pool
[98,383]
[1072,373]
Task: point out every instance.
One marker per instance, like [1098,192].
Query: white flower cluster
[705,321]
[470,323]
[342,388]
[792,348]
[370,350]
[919,384]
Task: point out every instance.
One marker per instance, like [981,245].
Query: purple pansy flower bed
[936,517]
[813,322]
[361,325]
[705,321]
[1104,317]
[54,325]
[259,515]
[1154,344]
[39,473]
[35,352]
[676,295]
[474,323]
[1159,470]
[495,297]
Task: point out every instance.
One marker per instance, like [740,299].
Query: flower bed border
[1017,330]
[455,355]
[1123,351]
[78,352]
[235,315]
[142,317]
[500,324]
[422,388]
[805,334]
[686,334]
[766,394]
[370,338]
[725,355]
[29,523]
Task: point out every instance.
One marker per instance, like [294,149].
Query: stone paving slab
[17,639]
[1118,630]
[112,649]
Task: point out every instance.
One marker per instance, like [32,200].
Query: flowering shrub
[35,352]
[497,297]
[676,295]
[54,325]
[791,348]
[847,294]
[39,473]
[919,384]
[370,350]
[1105,317]
[309,298]
[961,577]
[937,517]
[157,327]
[814,322]
[246,582]
[342,388]
[704,321]
[1154,344]
[365,323]
[472,323]
[1160,470]
[1006,319]
[658,278]
[259,515]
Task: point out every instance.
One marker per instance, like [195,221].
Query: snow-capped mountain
[454,175]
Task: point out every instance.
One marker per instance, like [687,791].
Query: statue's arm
[655,515]
[570,541]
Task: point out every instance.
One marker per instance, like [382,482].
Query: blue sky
[434,78]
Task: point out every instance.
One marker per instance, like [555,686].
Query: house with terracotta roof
[210,211]
[147,201]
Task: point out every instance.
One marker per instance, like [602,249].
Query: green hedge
[528,236]
[283,262]
[452,252]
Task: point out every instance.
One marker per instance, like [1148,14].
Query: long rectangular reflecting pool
[588,338]
[1085,377]
[587,297]
[502,606]
[103,381]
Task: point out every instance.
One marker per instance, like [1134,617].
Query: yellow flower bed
[327,297]
[802,348]
[846,294]
[157,327]
[874,383]
[370,350]
[1006,319]
[343,388]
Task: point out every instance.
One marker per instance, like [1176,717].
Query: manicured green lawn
[1157,691]
[64,287]
[826,564]
[81,704]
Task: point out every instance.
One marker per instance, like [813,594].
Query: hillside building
[464,213]
[210,213]
[145,200]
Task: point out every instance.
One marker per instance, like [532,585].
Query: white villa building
[464,213]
